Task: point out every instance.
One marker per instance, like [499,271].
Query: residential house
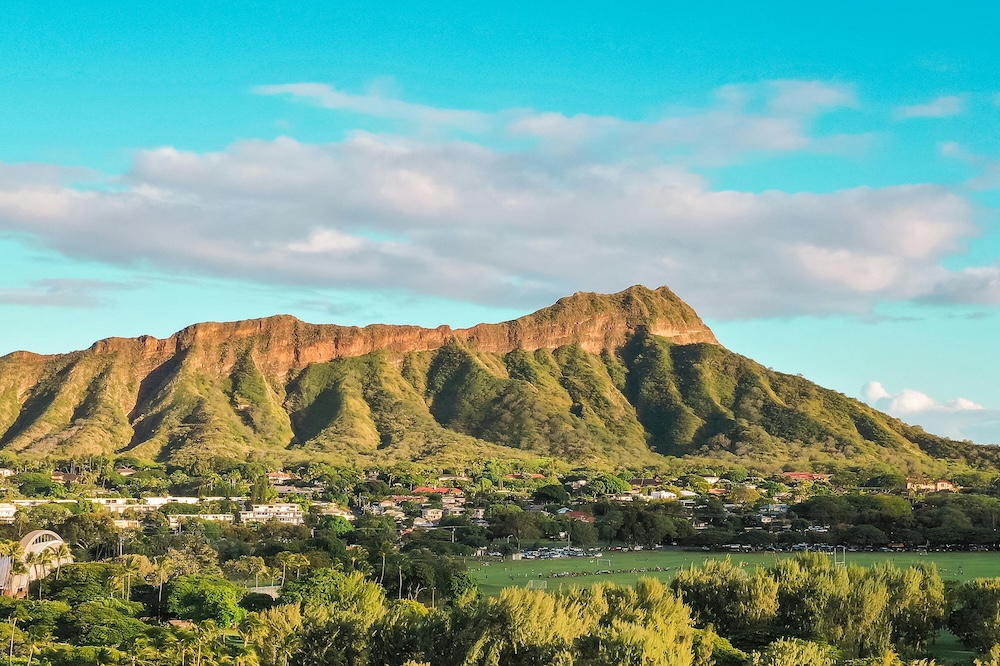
[65,478]
[938,486]
[431,514]
[806,476]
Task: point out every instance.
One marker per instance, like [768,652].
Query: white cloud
[593,204]
[374,104]
[718,134]
[988,176]
[810,96]
[959,418]
[948,105]
[60,293]
[462,220]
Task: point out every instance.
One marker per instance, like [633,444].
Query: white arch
[32,543]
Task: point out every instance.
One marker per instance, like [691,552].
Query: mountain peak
[284,343]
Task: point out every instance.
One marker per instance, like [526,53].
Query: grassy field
[627,568]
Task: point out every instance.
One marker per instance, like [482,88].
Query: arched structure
[32,545]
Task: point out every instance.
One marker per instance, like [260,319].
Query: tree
[200,598]
[331,587]
[194,557]
[62,554]
[43,561]
[582,533]
[608,484]
[94,533]
[273,633]
[80,582]
[743,495]
[129,567]
[728,597]
[98,623]
[552,494]
[975,616]
[285,559]
[516,523]
[13,550]
[34,484]
[245,568]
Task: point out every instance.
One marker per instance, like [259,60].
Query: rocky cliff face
[593,378]
[283,344]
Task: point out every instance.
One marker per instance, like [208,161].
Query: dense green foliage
[800,612]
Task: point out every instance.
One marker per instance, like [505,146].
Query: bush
[795,652]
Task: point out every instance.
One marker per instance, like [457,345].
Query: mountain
[619,378]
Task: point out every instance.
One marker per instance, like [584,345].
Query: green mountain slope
[613,379]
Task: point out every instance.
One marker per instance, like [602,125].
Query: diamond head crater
[595,379]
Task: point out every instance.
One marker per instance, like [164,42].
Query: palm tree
[258,568]
[134,565]
[284,559]
[162,569]
[62,553]
[44,560]
[205,635]
[30,562]
[298,560]
[13,550]
[385,548]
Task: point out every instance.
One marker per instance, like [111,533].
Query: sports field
[627,568]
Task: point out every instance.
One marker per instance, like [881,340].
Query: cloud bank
[538,205]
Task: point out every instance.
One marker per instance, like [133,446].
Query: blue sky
[822,183]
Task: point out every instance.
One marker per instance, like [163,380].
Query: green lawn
[494,576]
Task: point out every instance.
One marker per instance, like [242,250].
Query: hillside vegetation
[641,377]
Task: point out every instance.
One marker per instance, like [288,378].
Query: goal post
[534,584]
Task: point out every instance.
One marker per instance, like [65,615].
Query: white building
[288,513]
[175,520]
[157,502]
[114,504]
[16,584]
